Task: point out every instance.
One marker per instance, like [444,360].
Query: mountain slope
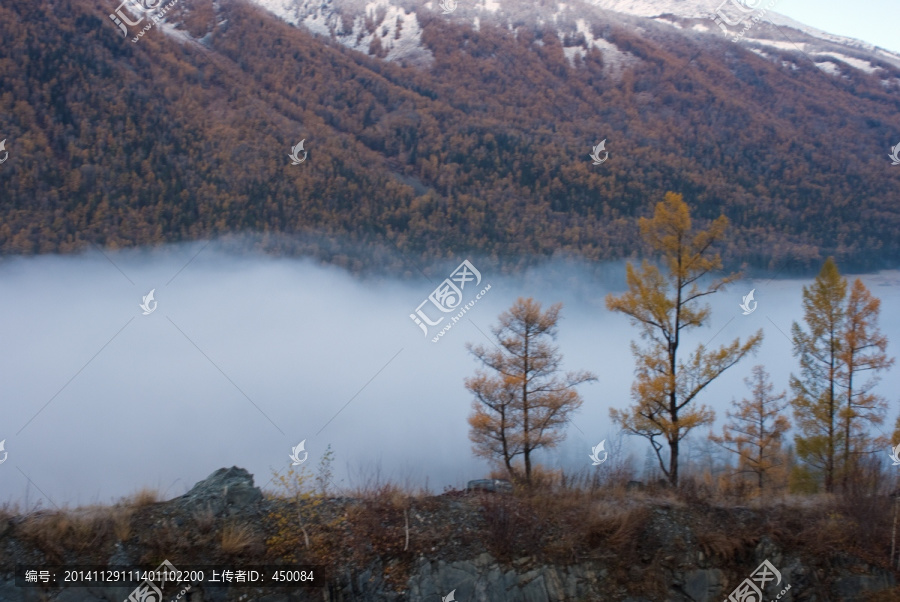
[479,144]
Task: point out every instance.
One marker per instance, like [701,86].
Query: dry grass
[8,511]
[388,493]
[237,538]
[144,497]
[56,533]
[616,528]
[121,520]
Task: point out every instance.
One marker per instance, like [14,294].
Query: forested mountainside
[481,147]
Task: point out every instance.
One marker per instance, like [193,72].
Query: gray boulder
[490,485]
[225,492]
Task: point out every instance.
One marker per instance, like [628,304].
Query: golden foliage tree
[818,348]
[862,353]
[841,353]
[522,405]
[663,305]
[756,431]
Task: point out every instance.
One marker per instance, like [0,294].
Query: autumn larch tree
[757,429]
[523,403]
[818,348]
[663,305]
[833,396]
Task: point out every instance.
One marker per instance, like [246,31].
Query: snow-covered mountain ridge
[392,29]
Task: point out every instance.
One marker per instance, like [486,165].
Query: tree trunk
[673,463]
[526,429]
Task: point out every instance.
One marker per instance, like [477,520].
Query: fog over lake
[247,355]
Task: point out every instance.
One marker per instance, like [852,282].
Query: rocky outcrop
[227,491]
[668,565]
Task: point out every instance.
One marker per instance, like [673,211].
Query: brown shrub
[512,527]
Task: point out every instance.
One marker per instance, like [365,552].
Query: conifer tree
[841,353]
[663,305]
[818,348]
[522,405]
[757,429]
[863,353]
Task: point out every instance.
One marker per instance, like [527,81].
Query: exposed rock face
[228,491]
[485,580]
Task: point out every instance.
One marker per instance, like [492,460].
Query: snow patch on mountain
[614,60]
[854,62]
[817,51]
[829,67]
[490,6]
[689,9]
[381,23]
[668,22]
